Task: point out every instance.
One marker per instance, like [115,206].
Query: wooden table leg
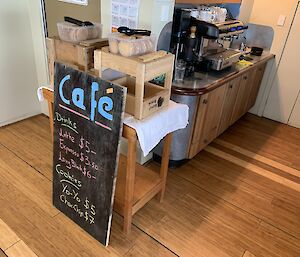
[50,109]
[129,185]
[49,96]
[165,165]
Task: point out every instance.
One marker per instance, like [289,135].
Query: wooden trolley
[136,184]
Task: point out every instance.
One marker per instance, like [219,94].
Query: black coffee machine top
[189,34]
[187,37]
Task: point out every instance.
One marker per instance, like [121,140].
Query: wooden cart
[136,184]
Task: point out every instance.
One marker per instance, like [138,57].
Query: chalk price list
[84,162]
[85,145]
[76,154]
[87,212]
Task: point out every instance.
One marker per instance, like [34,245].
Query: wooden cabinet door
[241,103]
[259,74]
[231,92]
[207,120]
[198,125]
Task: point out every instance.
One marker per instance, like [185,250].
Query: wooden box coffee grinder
[143,97]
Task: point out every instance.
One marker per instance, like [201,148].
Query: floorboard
[237,198]
[2,253]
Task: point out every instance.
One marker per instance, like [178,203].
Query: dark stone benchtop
[204,82]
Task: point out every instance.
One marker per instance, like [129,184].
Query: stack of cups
[211,14]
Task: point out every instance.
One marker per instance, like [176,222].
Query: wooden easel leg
[164,166]
[129,186]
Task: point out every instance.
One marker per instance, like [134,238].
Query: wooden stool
[136,184]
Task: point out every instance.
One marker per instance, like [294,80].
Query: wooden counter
[221,101]
[209,81]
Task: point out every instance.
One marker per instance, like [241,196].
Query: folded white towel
[155,127]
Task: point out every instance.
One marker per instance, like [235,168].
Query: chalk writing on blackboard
[88,115]
[104,105]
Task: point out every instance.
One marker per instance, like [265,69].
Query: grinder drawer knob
[160,102]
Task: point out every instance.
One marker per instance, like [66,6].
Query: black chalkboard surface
[88,115]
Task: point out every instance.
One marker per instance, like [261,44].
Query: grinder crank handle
[78,22]
[129,32]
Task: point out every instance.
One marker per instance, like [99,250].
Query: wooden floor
[240,197]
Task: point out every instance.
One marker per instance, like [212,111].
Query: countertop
[203,82]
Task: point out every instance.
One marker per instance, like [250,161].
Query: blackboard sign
[88,116]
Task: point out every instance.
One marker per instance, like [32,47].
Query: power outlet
[281,20]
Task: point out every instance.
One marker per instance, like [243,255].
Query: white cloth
[155,127]
[40,94]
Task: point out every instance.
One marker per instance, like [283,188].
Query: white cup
[207,16]
[195,13]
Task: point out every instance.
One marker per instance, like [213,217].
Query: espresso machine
[203,45]
[204,48]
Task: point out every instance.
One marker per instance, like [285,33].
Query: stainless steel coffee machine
[203,45]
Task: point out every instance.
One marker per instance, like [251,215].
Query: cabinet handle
[205,101]
[245,77]
[231,86]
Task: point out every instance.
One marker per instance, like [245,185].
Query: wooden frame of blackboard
[136,184]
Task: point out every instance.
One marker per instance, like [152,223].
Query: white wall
[39,46]
[149,15]
[285,86]
[145,15]
[295,116]
[246,10]
[266,12]
[18,75]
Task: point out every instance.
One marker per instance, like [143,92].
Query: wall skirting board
[16,119]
